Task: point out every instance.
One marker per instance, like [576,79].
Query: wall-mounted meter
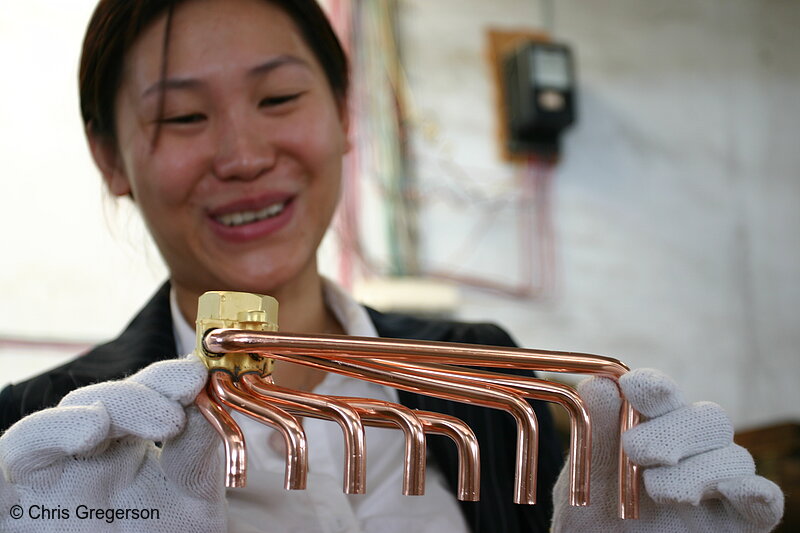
[540,96]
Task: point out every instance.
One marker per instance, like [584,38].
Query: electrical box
[540,96]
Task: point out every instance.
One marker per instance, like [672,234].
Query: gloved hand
[96,450]
[695,478]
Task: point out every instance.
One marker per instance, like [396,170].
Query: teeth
[246,217]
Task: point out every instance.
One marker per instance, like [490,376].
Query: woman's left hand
[695,478]
[91,463]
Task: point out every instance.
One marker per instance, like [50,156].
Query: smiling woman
[226,123]
[223,130]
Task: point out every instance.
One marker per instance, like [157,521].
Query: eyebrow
[192,83]
[272,64]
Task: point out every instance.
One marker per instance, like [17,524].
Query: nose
[243,151]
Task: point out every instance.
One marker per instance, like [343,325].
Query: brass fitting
[238,310]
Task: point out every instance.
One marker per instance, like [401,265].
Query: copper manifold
[431,368]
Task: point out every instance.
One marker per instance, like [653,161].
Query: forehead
[209,36]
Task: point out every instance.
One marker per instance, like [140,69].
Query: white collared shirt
[264,506]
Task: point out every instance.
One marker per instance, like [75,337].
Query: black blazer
[149,338]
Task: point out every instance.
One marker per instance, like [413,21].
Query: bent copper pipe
[469,464]
[580,455]
[314,405]
[527,442]
[232,438]
[330,346]
[351,414]
[387,414]
[455,389]
[223,389]
[436,424]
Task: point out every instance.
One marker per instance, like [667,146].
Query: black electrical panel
[540,96]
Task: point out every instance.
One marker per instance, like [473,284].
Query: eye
[274,101]
[191,118]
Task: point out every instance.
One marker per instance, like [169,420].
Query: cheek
[323,144]
[318,133]
[326,151]
[164,175]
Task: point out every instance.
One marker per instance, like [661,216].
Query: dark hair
[116,24]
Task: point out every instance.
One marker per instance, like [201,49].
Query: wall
[676,205]
[76,264]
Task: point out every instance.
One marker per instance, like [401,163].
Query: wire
[534,227]
[382,107]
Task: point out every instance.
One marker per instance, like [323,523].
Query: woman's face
[244,176]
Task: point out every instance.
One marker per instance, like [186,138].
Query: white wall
[677,204]
[74,267]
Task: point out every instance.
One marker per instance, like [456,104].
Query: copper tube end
[327,408]
[223,389]
[469,458]
[232,438]
[387,414]
[628,478]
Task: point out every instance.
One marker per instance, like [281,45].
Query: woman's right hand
[695,479]
[97,451]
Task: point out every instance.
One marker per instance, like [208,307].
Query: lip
[250,203]
[254,230]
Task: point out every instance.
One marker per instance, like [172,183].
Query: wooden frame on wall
[500,42]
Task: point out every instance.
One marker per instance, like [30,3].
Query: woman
[225,121]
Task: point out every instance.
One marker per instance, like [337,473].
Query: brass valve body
[239,310]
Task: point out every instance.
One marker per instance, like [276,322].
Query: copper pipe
[229,340]
[224,390]
[628,476]
[325,407]
[527,446]
[452,388]
[232,438]
[379,413]
[580,455]
[469,463]
[266,343]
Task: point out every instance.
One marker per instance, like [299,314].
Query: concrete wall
[677,203]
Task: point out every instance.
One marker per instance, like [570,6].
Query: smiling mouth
[241,218]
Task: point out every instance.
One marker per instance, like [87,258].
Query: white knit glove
[96,450]
[695,478]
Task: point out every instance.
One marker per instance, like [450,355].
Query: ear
[344,118]
[106,157]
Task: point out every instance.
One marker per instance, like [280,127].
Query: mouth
[242,218]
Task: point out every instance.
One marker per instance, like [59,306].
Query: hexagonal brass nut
[238,310]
